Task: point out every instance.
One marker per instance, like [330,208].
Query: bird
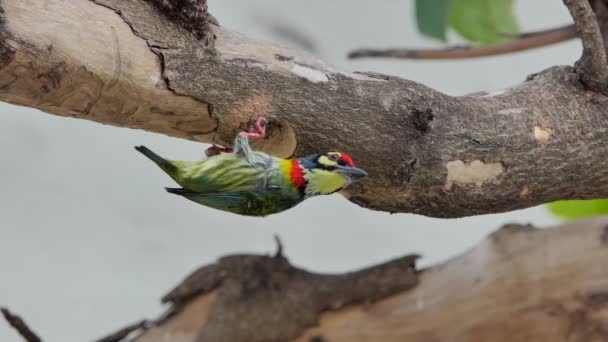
[253,183]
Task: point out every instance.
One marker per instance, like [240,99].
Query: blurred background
[89,240]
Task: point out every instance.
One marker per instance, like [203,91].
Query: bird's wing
[258,202]
[227,172]
[243,150]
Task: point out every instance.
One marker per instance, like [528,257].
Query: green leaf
[432,18]
[482,21]
[571,210]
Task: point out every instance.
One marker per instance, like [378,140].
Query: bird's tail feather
[160,161]
[178,191]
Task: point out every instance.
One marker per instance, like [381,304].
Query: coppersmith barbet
[247,182]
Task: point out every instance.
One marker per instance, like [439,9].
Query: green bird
[252,183]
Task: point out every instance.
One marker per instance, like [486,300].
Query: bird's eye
[333,157]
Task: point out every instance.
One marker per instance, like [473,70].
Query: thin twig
[19,324]
[279,252]
[123,333]
[524,41]
[592,65]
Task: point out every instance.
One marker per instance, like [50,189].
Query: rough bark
[291,298]
[592,65]
[127,63]
[165,66]
[520,284]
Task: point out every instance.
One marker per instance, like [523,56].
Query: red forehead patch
[347,159]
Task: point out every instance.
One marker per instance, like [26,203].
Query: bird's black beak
[352,173]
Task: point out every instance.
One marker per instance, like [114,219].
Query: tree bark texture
[167,67]
[519,284]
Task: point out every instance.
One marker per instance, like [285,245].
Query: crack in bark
[422,119]
[191,15]
[469,138]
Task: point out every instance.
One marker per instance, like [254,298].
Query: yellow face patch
[324,182]
[324,160]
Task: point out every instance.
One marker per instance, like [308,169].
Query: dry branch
[20,326]
[523,42]
[126,332]
[593,64]
[520,284]
[132,64]
[125,63]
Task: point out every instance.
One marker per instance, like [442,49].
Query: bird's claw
[259,130]
[261,123]
[215,150]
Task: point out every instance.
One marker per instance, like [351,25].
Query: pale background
[89,240]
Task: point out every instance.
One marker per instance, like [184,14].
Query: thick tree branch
[520,284]
[124,63]
[294,297]
[526,41]
[593,64]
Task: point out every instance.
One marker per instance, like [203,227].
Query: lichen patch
[495,93]
[524,192]
[313,75]
[472,174]
[542,135]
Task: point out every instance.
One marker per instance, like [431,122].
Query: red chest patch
[296,175]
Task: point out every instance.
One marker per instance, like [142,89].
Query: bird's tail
[178,191]
[163,163]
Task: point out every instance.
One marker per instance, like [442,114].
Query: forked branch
[525,41]
[592,65]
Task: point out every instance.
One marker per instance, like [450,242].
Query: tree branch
[526,41]
[125,332]
[20,326]
[593,65]
[123,63]
[517,285]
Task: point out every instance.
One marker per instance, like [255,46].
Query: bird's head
[329,172]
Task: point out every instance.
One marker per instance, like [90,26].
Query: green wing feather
[249,184]
[226,172]
[259,202]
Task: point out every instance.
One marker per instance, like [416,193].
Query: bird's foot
[259,130]
[215,150]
